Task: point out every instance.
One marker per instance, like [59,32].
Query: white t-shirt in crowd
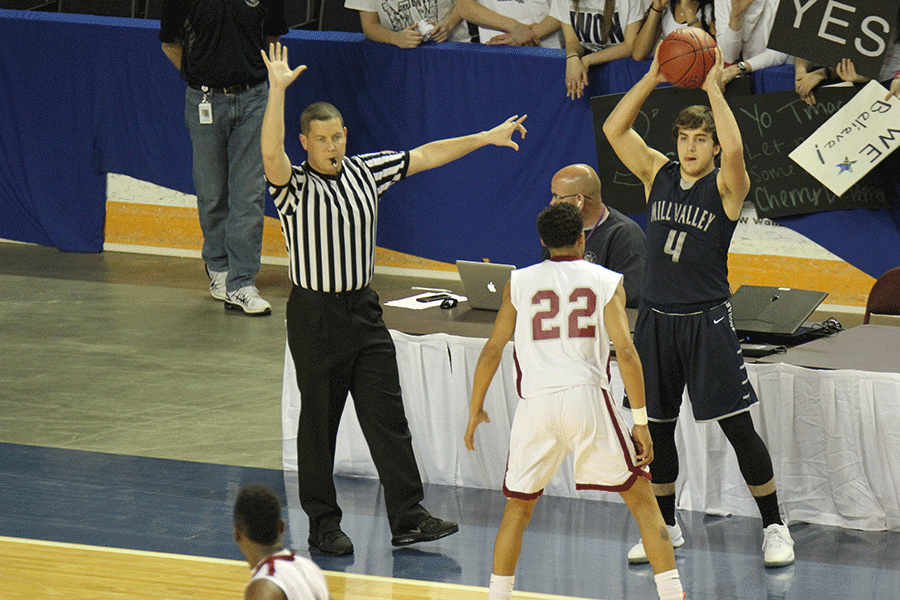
[397,15]
[524,11]
[750,42]
[587,19]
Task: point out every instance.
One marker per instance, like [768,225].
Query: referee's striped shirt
[329,221]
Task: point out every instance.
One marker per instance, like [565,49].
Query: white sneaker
[778,547]
[638,555]
[217,284]
[248,300]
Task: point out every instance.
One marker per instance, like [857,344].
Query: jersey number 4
[674,243]
[583,303]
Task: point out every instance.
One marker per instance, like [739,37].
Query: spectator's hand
[280,74]
[643,445]
[895,89]
[576,77]
[805,83]
[523,35]
[659,5]
[501,135]
[501,39]
[714,77]
[442,31]
[846,70]
[408,38]
[474,421]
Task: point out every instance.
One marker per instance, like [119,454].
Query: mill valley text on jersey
[685,214]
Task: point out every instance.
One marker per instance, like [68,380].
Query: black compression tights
[752,454]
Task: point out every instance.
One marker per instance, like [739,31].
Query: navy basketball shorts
[700,349]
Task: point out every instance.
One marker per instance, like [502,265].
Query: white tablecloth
[834,436]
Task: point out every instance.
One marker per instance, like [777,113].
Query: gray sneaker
[248,300]
[217,284]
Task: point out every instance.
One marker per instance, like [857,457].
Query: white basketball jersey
[297,576]
[560,338]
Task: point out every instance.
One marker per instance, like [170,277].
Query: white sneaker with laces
[217,284]
[638,555]
[248,300]
[778,547]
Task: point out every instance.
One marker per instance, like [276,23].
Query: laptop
[774,315]
[484,282]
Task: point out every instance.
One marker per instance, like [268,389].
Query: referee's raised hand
[280,73]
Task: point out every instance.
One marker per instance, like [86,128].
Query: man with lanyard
[215,46]
[337,338]
[612,240]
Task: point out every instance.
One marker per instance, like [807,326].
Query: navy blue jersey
[688,235]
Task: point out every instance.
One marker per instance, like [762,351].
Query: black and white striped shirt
[329,221]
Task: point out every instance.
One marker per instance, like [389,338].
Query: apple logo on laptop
[492,288]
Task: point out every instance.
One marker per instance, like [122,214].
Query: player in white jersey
[278,574]
[563,312]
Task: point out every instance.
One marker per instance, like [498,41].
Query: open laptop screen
[779,310]
[484,282]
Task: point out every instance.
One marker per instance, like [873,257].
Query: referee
[338,341]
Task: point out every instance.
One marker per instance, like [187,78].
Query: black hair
[700,13]
[560,225]
[257,512]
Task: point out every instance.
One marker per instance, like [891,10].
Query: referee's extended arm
[275,160]
[440,152]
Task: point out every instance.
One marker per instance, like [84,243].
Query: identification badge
[206,114]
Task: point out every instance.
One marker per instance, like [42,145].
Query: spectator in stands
[743,39]
[611,239]
[661,21]
[595,32]
[395,21]
[512,22]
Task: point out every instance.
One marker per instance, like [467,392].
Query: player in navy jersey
[564,311]
[685,333]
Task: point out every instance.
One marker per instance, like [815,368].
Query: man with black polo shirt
[216,47]
[611,239]
[338,340]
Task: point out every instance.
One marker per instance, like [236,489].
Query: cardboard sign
[859,136]
[771,125]
[826,31]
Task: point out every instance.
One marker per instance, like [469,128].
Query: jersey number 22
[579,308]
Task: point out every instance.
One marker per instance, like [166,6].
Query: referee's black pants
[339,344]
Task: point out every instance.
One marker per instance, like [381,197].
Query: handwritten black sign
[771,125]
[826,31]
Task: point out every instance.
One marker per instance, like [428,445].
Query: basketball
[686,56]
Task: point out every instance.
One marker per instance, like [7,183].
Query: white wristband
[639,415]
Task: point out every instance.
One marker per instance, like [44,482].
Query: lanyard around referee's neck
[599,220]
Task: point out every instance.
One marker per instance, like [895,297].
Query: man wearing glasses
[611,239]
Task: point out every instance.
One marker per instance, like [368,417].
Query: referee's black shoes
[428,530]
[334,542]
